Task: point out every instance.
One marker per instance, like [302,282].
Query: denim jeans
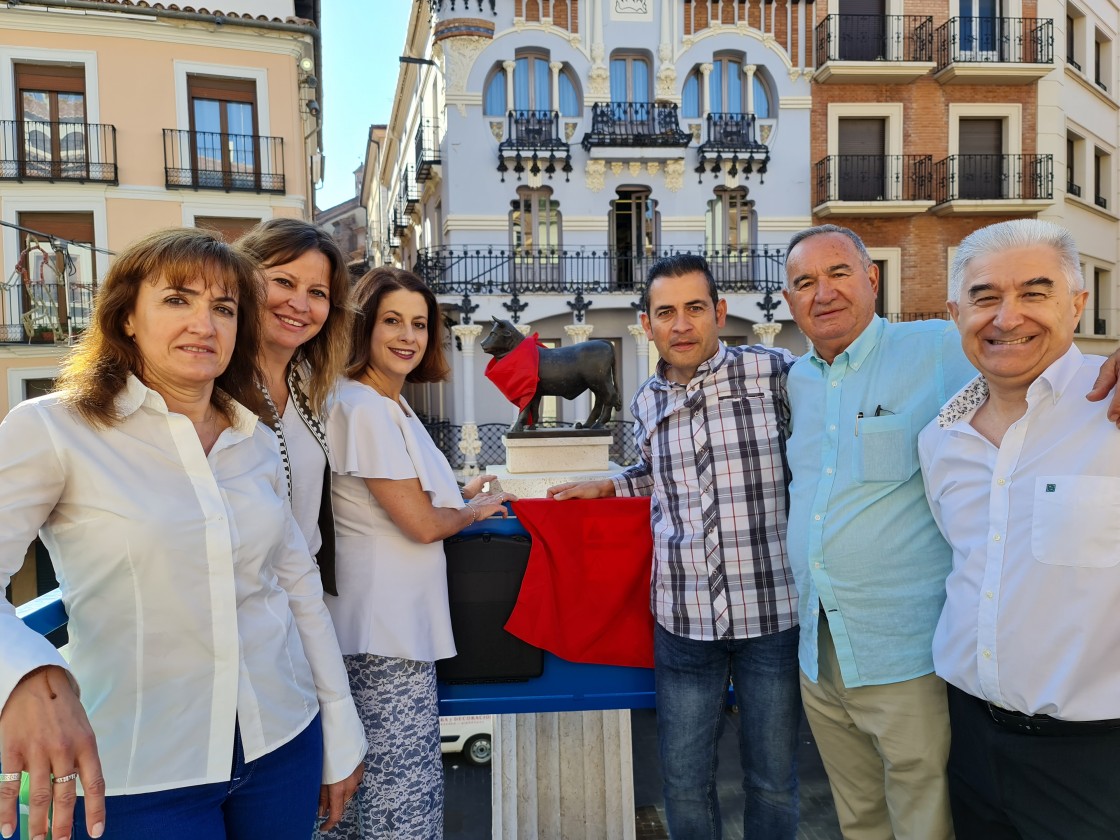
[275,797]
[691,683]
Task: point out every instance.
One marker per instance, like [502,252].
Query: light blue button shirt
[862,541]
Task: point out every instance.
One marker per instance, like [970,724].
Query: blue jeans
[275,797]
[691,682]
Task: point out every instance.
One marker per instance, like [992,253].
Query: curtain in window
[715,87]
[761,99]
[618,80]
[569,100]
[639,81]
[690,97]
[521,100]
[542,85]
[494,103]
[734,87]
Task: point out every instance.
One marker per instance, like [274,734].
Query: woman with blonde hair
[214,702]
[395,500]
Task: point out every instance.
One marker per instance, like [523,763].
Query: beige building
[116,120]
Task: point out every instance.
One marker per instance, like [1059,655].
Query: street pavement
[467,809]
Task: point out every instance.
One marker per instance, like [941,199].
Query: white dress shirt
[1029,622]
[191,594]
[392,591]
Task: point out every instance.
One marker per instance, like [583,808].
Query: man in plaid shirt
[711,426]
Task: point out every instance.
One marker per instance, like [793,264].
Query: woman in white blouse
[214,702]
[395,500]
[305,340]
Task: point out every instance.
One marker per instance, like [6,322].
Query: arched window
[725,84]
[569,95]
[532,84]
[532,88]
[494,96]
[727,93]
[690,96]
[761,90]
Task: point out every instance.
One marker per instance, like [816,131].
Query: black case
[484,573]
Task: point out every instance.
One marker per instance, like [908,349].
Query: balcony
[44,308]
[873,185]
[426,145]
[493,270]
[733,135]
[993,51]
[31,150]
[410,190]
[1073,189]
[874,49]
[635,125]
[995,184]
[533,137]
[209,160]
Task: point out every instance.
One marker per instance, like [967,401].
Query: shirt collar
[1051,383]
[710,366]
[136,394]
[858,351]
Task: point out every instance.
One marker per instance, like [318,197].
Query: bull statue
[561,372]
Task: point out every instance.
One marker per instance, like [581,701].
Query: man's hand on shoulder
[1106,382]
[600,488]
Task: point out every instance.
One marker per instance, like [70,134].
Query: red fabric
[585,596]
[515,373]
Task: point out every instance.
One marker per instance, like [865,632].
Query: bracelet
[474,514]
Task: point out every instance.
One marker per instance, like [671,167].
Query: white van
[469,734]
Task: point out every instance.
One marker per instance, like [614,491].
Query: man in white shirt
[1023,477]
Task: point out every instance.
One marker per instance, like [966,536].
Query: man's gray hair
[1019,233]
[802,235]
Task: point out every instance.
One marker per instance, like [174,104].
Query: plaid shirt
[713,459]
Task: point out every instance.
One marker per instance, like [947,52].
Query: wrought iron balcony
[901,317]
[426,146]
[410,191]
[43,307]
[442,6]
[533,143]
[492,270]
[635,124]
[1073,189]
[875,38]
[994,177]
[732,144]
[991,40]
[1101,202]
[210,160]
[31,150]
[873,178]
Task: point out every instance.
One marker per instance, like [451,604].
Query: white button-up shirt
[192,597]
[1029,621]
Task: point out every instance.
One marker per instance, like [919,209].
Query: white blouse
[392,597]
[193,600]
[309,463]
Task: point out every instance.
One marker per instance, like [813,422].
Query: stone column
[705,97]
[641,343]
[581,405]
[469,443]
[555,66]
[767,332]
[509,65]
[748,71]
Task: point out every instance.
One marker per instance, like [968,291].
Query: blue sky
[362,40]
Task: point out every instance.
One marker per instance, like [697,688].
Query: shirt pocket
[884,449]
[1076,521]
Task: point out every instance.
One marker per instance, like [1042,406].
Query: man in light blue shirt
[868,559]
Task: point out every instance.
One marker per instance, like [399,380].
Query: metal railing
[31,150]
[635,124]
[731,132]
[990,40]
[492,270]
[1073,189]
[900,317]
[1015,177]
[426,148]
[873,178]
[215,161]
[875,38]
[446,435]
[53,311]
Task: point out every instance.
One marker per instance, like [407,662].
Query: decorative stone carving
[653,167]
[767,332]
[470,445]
[534,181]
[579,332]
[525,329]
[794,73]
[498,129]
[674,175]
[616,167]
[666,81]
[599,81]
[764,132]
[635,168]
[459,57]
[595,171]
[695,129]
[569,130]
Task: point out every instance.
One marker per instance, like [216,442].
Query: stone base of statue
[563,774]
[537,460]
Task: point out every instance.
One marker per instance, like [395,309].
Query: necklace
[368,380]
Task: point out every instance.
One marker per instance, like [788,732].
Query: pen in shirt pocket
[879,412]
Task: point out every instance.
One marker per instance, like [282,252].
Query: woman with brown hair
[305,339]
[214,702]
[395,500]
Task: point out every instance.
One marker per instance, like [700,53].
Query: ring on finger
[69,777]
[10,777]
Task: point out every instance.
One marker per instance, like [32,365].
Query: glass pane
[734,87]
[207,115]
[241,143]
[36,105]
[715,87]
[521,85]
[569,100]
[618,80]
[542,85]
[239,117]
[639,83]
[690,97]
[761,99]
[71,107]
[494,104]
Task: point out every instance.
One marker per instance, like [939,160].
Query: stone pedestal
[564,774]
[767,332]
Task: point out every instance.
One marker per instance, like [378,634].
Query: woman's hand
[44,731]
[490,504]
[473,487]
[333,798]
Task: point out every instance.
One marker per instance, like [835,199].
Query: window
[863,33]
[1102,301]
[56,298]
[1102,178]
[725,85]
[1102,61]
[635,232]
[532,88]
[726,90]
[1074,166]
[494,99]
[860,165]
[1075,37]
[630,78]
[979,29]
[51,112]
[535,227]
[690,96]
[881,295]
[224,127]
[729,229]
[980,160]
[888,302]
